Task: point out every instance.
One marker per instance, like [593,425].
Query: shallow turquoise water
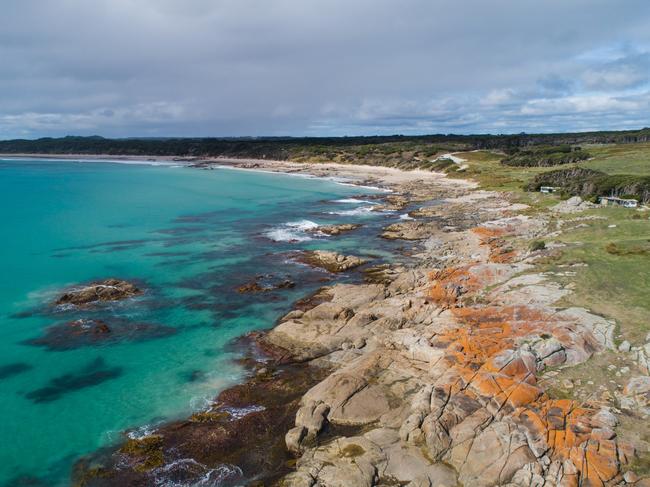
[189,237]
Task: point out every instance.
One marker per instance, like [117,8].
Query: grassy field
[613,159]
[620,159]
[616,280]
[486,168]
[613,242]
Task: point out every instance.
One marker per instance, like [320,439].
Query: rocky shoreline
[429,374]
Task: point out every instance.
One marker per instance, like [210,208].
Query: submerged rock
[93,373]
[100,291]
[265,283]
[12,369]
[330,261]
[92,332]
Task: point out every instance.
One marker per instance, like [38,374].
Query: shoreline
[371,177]
[430,374]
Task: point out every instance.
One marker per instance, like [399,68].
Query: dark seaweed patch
[168,254]
[213,216]
[193,375]
[92,374]
[180,230]
[116,243]
[92,332]
[13,369]
[26,481]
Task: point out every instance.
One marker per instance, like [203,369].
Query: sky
[146,68]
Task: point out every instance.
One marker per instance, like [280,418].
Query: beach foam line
[334,179]
[364,186]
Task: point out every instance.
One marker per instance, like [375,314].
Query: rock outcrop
[330,261]
[100,291]
[572,205]
[409,230]
[265,283]
[337,229]
[445,366]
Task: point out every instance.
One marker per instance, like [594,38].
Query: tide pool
[189,238]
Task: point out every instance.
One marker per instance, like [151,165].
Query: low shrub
[537,245]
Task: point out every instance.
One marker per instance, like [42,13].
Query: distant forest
[395,150]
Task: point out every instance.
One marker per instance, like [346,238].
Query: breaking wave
[299,231]
[361,210]
[354,200]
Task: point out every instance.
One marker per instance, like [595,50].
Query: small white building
[613,201]
[548,189]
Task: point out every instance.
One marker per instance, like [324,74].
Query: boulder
[496,454]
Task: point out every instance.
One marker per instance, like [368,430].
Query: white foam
[354,200]
[238,413]
[205,477]
[293,231]
[142,432]
[364,186]
[201,403]
[361,210]
[136,162]
[303,225]
[406,216]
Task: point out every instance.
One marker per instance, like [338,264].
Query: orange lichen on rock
[489,367]
[493,237]
[566,431]
[452,283]
[448,285]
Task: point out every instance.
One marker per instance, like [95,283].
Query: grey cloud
[318,67]
[627,72]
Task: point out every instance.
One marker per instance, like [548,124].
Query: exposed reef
[99,291]
[92,332]
[337,229]
[330,261]
[265,283]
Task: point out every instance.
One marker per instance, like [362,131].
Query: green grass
[616,280]
[621,159]
[485,166]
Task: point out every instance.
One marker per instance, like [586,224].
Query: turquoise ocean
[189,238]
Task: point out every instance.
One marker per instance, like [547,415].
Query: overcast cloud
[321,67]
